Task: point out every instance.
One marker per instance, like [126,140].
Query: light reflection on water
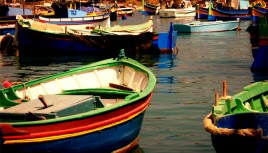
[186,83]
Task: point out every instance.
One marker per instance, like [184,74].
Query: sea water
[186,82]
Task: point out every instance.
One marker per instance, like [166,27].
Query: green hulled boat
[239,123]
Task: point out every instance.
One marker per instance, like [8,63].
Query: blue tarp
[13,11]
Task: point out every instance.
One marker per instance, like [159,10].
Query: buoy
[7,84]
[6,44]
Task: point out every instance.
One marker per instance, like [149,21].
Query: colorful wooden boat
[258,14]
[81,39]
[238,123]
[176,13]
[150,8]
[259,44]
[80,110]
[209,26]
[67,16]
[221,14]
[123,10]
[201,13]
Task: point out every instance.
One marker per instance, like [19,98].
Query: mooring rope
[211,128]
[24,89]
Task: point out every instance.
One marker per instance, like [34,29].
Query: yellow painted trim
[65,136]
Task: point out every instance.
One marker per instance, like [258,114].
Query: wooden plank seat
[118,86]
[55,106]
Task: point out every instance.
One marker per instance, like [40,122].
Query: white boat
[177,12]
[68,16]
[211,26]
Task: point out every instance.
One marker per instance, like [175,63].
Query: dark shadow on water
[137,149]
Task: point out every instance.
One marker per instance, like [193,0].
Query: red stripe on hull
[82,123]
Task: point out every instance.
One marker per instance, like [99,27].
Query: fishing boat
[259,45]
[64,15]
[222,14]
[81,39]
[123,10]
[150,8]
[239,122]
[225,11]
[80,110]
[176,13]
[258,13]
[201,13]
[208,26]
[175,10]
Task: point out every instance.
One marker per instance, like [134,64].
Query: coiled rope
[214,130]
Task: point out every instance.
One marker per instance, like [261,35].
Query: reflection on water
[166,61]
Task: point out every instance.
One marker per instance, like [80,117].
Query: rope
[24,89]
[211,128]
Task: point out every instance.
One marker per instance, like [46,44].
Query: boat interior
[103,88]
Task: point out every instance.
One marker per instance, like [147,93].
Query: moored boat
[63,15]
[222,14]
[79,110]
[259,45]
[177,12]
[209,26]
[258,14]
[239,122]
[150,8]
[81,39]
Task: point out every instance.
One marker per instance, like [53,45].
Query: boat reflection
[165,64]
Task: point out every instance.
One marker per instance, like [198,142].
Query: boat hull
[85,111]
[176,13]
[238,123]
[246,144]
[201,13]
[221,14]
[102,20]
[258,14]
[150,9]
[30,41]
[259,45]
[123,136]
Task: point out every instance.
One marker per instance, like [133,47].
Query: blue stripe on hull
[103,141]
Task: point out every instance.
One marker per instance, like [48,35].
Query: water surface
[186,82]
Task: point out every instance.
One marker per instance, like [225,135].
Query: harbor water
[186,82]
